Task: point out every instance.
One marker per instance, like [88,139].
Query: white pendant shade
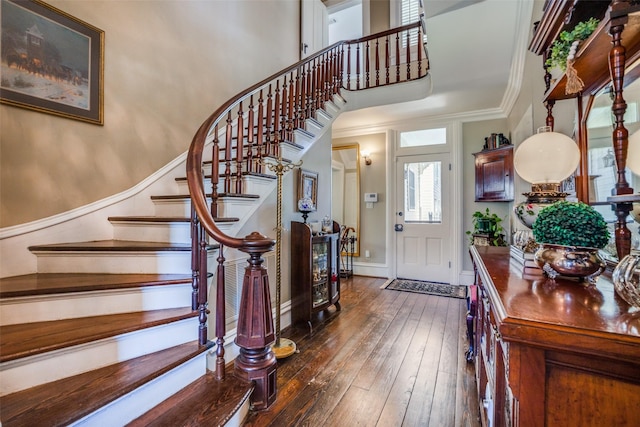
[633,153]
[546,157]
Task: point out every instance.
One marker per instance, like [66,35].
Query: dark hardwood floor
[389,358]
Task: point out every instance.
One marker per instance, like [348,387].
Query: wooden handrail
[284,101]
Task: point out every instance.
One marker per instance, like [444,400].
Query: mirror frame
[355,146]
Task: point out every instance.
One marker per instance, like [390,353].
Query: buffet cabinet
[315,272]
[551,352]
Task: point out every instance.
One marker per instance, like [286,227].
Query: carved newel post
[255,332]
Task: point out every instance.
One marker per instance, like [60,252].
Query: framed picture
[51,61]
[308,186]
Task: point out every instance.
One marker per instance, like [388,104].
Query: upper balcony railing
[250,127]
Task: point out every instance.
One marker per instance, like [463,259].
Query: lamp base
[283,348]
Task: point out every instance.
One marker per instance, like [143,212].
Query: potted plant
[488,223]
[570,235]
[562,46]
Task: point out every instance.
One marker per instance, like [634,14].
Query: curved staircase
[114,331]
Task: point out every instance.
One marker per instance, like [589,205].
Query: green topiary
[571,224]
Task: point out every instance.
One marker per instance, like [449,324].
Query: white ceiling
[476,52]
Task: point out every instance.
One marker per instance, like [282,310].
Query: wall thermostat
[370,197]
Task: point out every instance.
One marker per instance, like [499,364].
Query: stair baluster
[220,315]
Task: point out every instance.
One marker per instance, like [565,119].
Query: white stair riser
[158,232]
[144,398]
[97,303]
[302,138]
[236,208]
[116,262]
[31,371]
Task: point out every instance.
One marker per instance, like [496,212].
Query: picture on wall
[51,61]
[308,186]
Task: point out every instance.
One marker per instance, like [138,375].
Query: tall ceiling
[476,52]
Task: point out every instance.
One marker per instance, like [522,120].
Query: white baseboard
[466,278]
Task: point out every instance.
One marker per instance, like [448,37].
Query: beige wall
[167,67]
[473,135]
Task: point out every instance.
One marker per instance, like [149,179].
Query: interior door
[313,27]
[423,218]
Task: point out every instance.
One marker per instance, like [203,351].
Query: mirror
[345,189]
[600,156]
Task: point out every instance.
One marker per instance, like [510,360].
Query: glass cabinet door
[320,273]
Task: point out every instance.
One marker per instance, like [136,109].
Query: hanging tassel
[574,83]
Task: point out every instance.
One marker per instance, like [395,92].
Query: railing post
[220,315]
[255,333]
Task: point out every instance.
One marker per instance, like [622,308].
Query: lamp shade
[633,153]
[546,157]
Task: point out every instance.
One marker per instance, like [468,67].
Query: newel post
[255,332]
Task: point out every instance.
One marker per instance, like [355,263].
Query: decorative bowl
[569,261]
[527,212]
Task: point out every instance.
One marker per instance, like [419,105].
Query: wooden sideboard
[552,353]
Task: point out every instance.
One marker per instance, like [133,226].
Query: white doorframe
[454,131]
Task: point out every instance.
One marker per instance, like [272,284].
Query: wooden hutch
[558,352]
[609,58]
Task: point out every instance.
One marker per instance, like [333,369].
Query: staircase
[115,331]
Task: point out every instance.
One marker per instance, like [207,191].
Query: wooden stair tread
[257,174]
[187,196]
[114,246]
[56,283]
[28,339]
[205,402]
[163,219]
[84,393]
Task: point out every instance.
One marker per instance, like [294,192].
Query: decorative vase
[527,212]
[626,278]
[569,261]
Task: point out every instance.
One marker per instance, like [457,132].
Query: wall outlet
[367,254]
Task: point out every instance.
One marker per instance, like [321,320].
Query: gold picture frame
[52,62]
[308,186]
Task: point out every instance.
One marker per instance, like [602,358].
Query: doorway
[423,220]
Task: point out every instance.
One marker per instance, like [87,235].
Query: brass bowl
[570,261]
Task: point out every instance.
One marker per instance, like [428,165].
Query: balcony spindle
[202,287]
[349,67]
[366,64]
[215,176]
[250,117]
[268,123]
[195,257]
[377,62]
[260,127]
[419,52]
[408,55]
[387,58]
[397,57]
[291,104]
[239,149]
[276,121]
[227,155]
[358,66]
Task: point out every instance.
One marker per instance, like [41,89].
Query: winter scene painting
[49,61]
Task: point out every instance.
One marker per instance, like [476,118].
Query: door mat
[431,288]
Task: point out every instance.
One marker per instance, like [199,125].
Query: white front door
[423,218]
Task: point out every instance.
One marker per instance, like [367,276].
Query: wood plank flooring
[389,358]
